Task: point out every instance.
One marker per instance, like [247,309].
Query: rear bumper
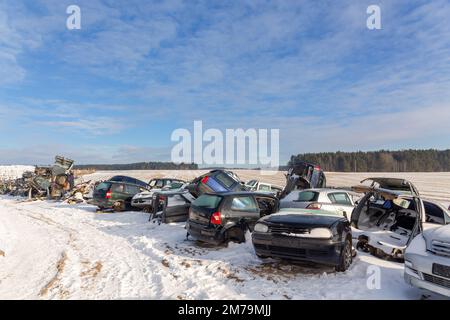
[142,202]
[318,251]
[204,233]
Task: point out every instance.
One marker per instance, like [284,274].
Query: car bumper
[319,251]
[419,273]
[204,233]
[141,203]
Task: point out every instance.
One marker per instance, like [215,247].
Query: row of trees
[140,166]
[380,161]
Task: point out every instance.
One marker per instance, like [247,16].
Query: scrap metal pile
[50,182]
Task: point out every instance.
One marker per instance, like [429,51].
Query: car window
[152,183]
[131,189]
[307,196]
[340,198]
[251,183]
[117,187]
[243,203]
[159,183]
[103,186]
[264,187]
[207,201]
[225,179]
[433,213]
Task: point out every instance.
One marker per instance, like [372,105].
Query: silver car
[427,259]
[333,200]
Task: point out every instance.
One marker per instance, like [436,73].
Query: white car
[255,185]
[427,260]
[332,200]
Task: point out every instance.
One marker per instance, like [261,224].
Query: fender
[235,224]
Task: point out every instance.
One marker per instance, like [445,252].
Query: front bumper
[420,274]
[204,233]
[320,251]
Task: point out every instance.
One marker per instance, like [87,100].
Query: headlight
[322,233]
[259,227]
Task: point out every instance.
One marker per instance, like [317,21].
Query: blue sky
[116,89]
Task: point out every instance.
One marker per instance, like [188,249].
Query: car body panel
[213,182]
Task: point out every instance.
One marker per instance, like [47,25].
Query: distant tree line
[140,166]
[381,161]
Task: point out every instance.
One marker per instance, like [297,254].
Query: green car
[115,195]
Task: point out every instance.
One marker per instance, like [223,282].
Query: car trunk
[203,208]
[101,190]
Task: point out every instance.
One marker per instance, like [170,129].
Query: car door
[241,208]
[434,215]
[342,202]
[176,209]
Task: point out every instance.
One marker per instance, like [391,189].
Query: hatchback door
[240,208]
[203,207]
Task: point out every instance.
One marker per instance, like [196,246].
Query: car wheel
[346,257]
[119,206]
[235,235]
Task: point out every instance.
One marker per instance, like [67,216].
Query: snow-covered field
[13,172]
[52,250]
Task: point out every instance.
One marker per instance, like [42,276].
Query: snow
[57,251]
[53,250]
[13,172]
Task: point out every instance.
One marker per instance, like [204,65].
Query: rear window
[243,204]
[225,179]
[340,198]
[103,186]
[207,201]
[307,196]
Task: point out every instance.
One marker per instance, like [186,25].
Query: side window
[243,203]
[131,189]
[340,198]
[307,196]
[117,187]
[433,213]
[159,183]
[264,187]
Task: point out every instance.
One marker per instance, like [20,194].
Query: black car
[115,195]
[215,181]
[129,180]
[305,235]
[219,218]
[303,175]
[170,206]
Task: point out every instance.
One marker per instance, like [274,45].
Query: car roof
[325,190]
[240,193]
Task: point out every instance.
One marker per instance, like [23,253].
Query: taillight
[216,218]
[205,179]
[108,195]
[314,206]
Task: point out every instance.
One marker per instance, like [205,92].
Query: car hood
[304,219]
[439,233]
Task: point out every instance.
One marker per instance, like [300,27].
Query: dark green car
[115,195]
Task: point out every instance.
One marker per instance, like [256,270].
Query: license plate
[441,270]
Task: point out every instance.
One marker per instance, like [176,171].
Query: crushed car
[303,175]
[223,217]
[215,181]
[317,236]
[427,260]
[160,183]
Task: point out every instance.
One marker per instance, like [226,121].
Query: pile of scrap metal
[45,182]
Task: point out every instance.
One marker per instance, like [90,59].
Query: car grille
[285,229]
[440,248]
[291,251]
[437,280]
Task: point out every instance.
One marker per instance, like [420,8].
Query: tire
[119,206]
[346,257]
[235,235]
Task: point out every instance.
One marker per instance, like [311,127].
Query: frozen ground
[52,250]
